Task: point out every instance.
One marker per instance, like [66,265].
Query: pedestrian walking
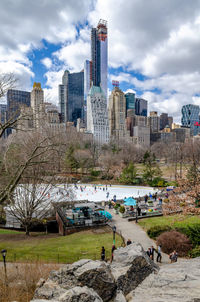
[112,253]
[103,253]
[139,211]
[149,252]
[152,250]
[159,256]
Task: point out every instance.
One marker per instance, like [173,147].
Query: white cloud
[47,62]
[73,55]
[130,91]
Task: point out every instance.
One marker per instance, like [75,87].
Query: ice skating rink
[96,193]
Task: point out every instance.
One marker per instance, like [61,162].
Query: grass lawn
[172,221]
[56,248]
[5,231]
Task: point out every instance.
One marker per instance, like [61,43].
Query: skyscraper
[130,101]
[97,115]
[117,114]
[190,118]
[140,107]
[37,104]
[99,55]
[16,99]
[71,96]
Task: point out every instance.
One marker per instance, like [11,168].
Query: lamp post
[114,231]
[3,252]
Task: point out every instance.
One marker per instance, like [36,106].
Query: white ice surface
[120,191]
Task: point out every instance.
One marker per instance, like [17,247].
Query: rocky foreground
[131,277]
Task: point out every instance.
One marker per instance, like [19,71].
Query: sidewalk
[131,230]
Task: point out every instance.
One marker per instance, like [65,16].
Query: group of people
[151,250]
[103,253]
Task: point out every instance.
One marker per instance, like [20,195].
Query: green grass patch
[5,231]
[173,221]
[55,249]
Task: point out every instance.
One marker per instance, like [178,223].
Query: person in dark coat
[103,252]
[139,211]
[149,252]
[128,242]
[112,252]
[152,250]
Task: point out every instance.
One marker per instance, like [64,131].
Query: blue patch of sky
[125,85]
[36,55]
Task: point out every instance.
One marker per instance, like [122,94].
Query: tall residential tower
[99,55]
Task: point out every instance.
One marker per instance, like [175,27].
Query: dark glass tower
[130,101]
[140,107]
[71,96]
[99,55]
[16,99]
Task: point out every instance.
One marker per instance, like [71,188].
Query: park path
[131,230]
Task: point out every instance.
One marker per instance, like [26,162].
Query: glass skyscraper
[99,55]
[130,100]
[140,107]
[15,99]
[71,96]
[190,118]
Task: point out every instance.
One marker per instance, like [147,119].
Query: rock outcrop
[177,282]
[131,277]
[130,267]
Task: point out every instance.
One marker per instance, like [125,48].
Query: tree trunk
[27,230]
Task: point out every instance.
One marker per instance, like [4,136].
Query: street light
[114,231]
[3,252]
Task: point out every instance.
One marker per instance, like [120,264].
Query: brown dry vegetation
[22,280]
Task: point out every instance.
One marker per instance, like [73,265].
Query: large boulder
[177,282]
[49,291]
[93,274]
[131,266]
[76,294]
[80,294]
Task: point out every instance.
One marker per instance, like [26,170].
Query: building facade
[37,104]
[16,99]
[99,55]
[117,114]
[165,120]
[154,122]
[140,107]
[130,101]
[190,118]
[97,115]
[71,96]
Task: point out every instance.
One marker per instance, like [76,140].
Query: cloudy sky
[154,45]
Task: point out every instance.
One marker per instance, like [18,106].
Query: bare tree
[32,201]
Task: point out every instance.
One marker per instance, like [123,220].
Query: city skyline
[153,46]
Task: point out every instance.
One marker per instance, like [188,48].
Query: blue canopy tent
[130,201]
[106,214]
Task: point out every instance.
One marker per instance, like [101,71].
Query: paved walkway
[131,230]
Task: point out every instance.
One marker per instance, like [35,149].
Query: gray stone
[42,300]
[97,275]
[49,290]
[131,266]
[80,294]
[93,274]
[119,297]
[177,282]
